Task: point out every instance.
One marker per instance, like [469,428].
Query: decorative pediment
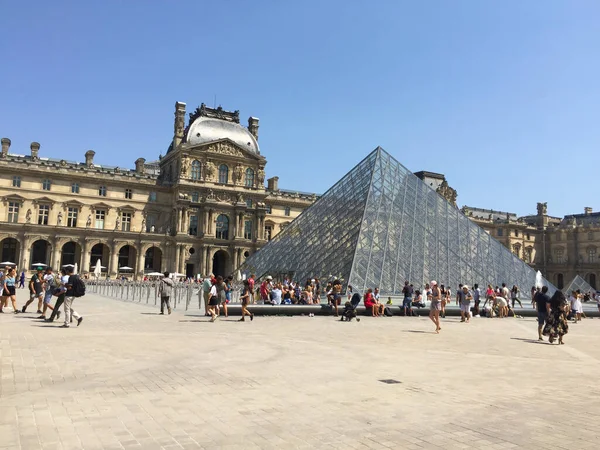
[73,204]
[13,198]
[43,200]
[101,205]
[227,147]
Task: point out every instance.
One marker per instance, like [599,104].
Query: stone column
[182,256]
[85,256]
[207,266]
[210,221]
[55,263]
[140,263]
[176,262]
[241,225]
[114,260]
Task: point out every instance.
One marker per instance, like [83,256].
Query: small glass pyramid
[381,225]
[578,283]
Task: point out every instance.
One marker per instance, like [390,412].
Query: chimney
[139,165]
[253,126]
[179,126]
[35,148]
[89,158]
[5,147]
[587,210]
[273,184]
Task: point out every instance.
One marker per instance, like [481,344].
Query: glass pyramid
[578,283]
[381,225]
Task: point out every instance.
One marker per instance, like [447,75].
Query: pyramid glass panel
[381,225]
[578,283]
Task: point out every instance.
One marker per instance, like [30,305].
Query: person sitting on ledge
[376,308]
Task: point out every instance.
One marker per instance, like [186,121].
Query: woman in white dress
[576,305]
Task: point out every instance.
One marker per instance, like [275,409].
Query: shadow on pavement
[532,341]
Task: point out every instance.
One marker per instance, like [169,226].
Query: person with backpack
[60,292]
[164,288]
[75,289]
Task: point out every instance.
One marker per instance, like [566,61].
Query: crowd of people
[44,286]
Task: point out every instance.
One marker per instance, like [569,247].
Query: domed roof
[210,129]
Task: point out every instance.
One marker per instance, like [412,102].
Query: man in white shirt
[276,294]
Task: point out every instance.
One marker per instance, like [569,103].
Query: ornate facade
[201,208]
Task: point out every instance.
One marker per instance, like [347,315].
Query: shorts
[10,290]
[436,305]
[214,301]
[542,317]
[465,307]
[48,298]
[34,295]
[407,302]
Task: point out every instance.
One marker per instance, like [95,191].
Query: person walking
[251,281]
[556,323]
[407,290]
[36,290]
[75,289]
[465,297]
[49,286]
[164,289]
[246,298]
[8,289]
[207,284]
[60,292]
[514,296]
[541,302]
[22,280]
[436,305]
[477,299]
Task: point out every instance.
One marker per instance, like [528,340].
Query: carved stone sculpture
[88,222]
[60,218]
[185,167]
[117,224]
[211,169]
[542,209]
[237,173]
[28,216]
[261,176]
[447,192]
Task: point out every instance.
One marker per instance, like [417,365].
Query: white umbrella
[40,264]
[68,265]
[155,274]
[98,269]
[125,268]
[7,263]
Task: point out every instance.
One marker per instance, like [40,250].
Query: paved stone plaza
[129,378]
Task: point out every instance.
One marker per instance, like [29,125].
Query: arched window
[559,255]
[223,174]
[222,227]
[196,169]
[249,182]
[592,280]
[560,281]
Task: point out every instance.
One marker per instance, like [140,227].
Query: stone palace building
[204,207]
[201,208]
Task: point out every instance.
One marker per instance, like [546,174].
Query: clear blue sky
[502,97]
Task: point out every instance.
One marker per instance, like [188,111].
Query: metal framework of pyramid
[578,283]
[381,225]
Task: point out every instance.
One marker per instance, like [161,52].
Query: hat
[433,283]
[269,277]
[39,268]
[465,286]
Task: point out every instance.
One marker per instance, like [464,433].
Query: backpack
[78,287]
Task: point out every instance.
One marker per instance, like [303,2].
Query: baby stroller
[349,311]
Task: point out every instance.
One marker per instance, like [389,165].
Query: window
[195,197]
[592,280]
[43,213]
[590,234]
[72,216]
[46,185]
[528,253]
[248,203]
[222,227]
[151,223]
[100,217]
[268,232]
[286,211]
[193,231]
[196,169]
[152,197]
[247,229]
[559,255]
[128,194]
[528,236]
[223,174]
[16,181]
[102,191]
[499,231]
[517,250]
[249,181]
[516,233]
[13,212]
[74,188]
[591,254]
[126,221]
[269,209]
[560,281]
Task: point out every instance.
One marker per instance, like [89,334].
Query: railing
[186,296]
